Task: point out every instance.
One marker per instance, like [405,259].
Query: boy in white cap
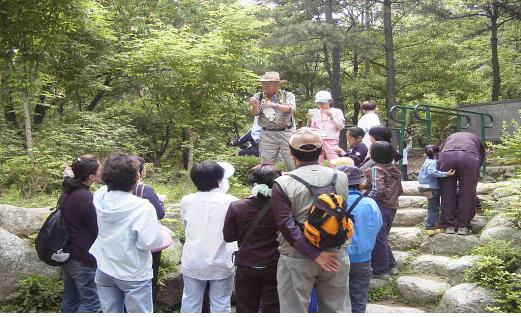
[329,121]
[206,257]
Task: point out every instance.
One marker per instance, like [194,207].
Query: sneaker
[431,232]
[449,230]
[464,231]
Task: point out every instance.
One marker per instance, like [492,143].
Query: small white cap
[323,96]
[228,169]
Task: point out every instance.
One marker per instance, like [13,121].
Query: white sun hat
[228,169]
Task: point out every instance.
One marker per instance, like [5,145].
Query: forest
[169,80]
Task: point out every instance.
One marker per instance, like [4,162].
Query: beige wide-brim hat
[271,77]
[305,140]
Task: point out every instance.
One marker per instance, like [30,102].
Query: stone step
[421,289]
[412,202]
[410,188]
[405,238]
[399,257]
[452,269]
[387,308]
[409,217]
[448,244]
[465,298]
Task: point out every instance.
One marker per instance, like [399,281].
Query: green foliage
[170,263]
[508,253]
[388,291]
[508,151]
[34,294]
[494,271]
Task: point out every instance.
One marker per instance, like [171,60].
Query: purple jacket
[261,247]
[80,218]
[465,141]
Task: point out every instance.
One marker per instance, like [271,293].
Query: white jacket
[205,254]
[127,230]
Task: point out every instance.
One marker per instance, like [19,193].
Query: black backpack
[52,239]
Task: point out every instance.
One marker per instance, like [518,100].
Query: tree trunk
[389,57]
[9,113]
[367,61]
[28,131]
[334,82]
[39,111]
[192,138]
[92,105]
[496,82]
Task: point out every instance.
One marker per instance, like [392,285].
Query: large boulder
[421,289]
[404,238]
[501,233]
[431,264]
[504,191]
[17,260]
[171,293]
[506,203]
[409,217]
[478,223]
[499,220]
[456,268]
[449,244]
[381,308]
[410,188]
[22,221]
[465,298]
[487,188]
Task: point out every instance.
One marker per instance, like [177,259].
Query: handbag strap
[262,213]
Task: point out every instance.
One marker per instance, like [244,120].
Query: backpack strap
[142,189]
[260,215]
[333,181]
[353,205]
[300,180]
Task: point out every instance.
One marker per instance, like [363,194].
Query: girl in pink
[329,121]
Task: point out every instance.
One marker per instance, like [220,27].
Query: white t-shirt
[366,122]
[205,254]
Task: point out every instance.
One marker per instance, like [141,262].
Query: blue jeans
[382,259]
[359,277]
[313,302]
[433,209]
[220,295]
[117,295]
[79,290]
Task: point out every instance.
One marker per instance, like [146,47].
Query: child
[329,121]
[384,186]
[368,120]
[206,256]
[358,150]
[407,146]
[428,179]
[368,221]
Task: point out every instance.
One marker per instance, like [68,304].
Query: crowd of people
[265,246]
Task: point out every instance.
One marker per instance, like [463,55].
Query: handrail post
[428,127]
[483,138]
[458,123]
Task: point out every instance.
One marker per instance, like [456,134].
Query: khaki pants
[296,278]
[273,142]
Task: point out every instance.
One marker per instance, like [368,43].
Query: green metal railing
[460,115]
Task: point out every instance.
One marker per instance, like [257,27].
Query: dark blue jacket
[144,191]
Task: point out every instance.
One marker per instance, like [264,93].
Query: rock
[172,220]
[399,257]
[412,201]
[378,282]
[465,298]
[506,203]
[456,268]
[501,233]
[431,264]
[421,289]
[505,191]
[478,223]
[518,271]
[171,207]
[378,308]
[404,238]
[409,217]
[487,188]
[22,221]
[17,260]
[449,244]
[499,220]
[410,188]
[171,293]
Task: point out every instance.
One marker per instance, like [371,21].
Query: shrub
[504,250]
[509,150]
[34,294]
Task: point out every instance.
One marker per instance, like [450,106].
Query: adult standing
[275,108]
[465,153]
[79,290]
[302,266]
[368,120]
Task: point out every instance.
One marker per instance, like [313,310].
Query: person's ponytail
[81,168]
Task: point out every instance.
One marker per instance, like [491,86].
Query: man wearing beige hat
[301,265]
[275,108]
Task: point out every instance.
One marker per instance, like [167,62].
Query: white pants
[220,295]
